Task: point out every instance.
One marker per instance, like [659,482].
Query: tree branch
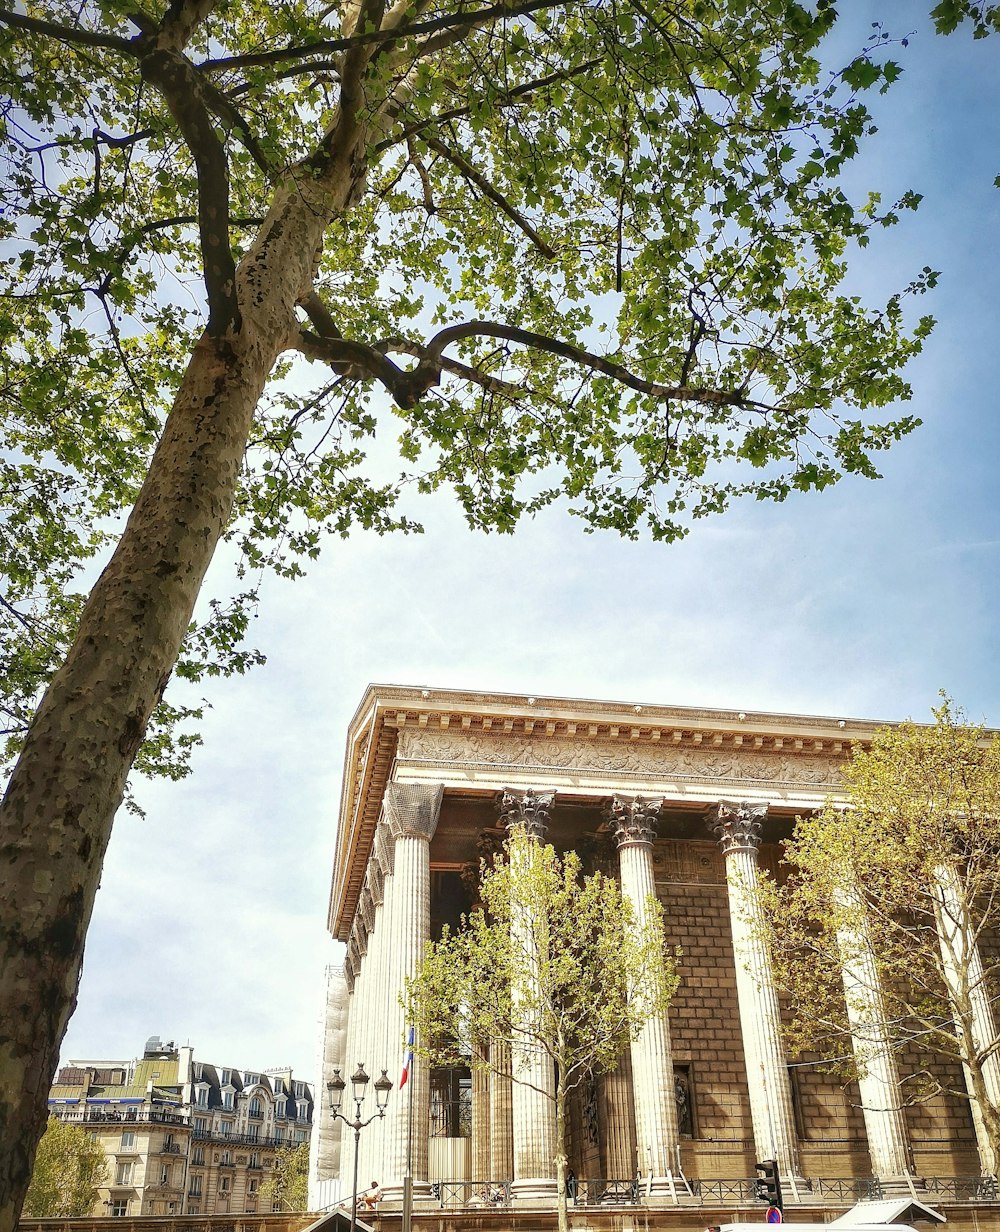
[458,113]
[175,77]
[486,188]
[180,21]
[434,25]
[69,34]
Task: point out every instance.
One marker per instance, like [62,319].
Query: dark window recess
[451,1103]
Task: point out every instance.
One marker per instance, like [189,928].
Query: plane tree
[541,251]
[884,931]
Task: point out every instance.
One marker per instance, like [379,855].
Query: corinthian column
[965,979]
[738,829]
[878,1077]
[633,823]
[411,816]
[533,1093]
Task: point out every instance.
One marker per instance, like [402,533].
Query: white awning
[887,1211]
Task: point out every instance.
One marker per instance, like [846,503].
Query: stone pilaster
[633,823]
[533,1094]
[878,1077]
[411,813]
[738,828]
[962,965]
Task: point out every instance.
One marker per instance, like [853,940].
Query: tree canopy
[287,1188]
[552,965]
[268,269]
[592,254]
[904,882]
[69,1168]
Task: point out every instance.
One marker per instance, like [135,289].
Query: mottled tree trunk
[57,813]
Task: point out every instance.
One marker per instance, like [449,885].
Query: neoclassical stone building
[690,804]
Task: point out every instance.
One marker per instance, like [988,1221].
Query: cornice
[387,710]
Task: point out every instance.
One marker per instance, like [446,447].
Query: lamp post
[359,1088]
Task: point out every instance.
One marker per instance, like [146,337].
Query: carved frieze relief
[603,756]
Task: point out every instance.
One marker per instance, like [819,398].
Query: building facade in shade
[688,804]
[183,1137]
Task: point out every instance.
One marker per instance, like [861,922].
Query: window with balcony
[226,1161]
[201,1096]
[279,1108]
[303,1110]
[254,1109]
[253,1133]
[227,1100]
[300,1089]
[224,1184]
[200,1126]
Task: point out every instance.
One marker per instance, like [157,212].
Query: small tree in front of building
[902,889]
[287,1188]
[554,966]
[69,1168]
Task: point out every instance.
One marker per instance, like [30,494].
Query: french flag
[407,1059]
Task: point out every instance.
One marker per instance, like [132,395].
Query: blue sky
[862,602]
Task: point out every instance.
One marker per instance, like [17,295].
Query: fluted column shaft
[738,827]
[324,1152]
[533,1093]
[633,822]
[480,1125]
[501,1114]
[620,1149]
[878,1077]
[965,979]
[411,812]
[376,1051]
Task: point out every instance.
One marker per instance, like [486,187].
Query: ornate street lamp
[359,1089]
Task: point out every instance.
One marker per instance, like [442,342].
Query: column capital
[366,908]
[383,849]
[737,825]
[527,808]
[632,819]
[375,881]
[411,809]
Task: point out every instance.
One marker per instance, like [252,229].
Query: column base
[665,1190]
[534,1191]
[392,1196]
[796,1189]
[902,1184]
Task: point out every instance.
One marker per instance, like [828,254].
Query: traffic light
[767,1186]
